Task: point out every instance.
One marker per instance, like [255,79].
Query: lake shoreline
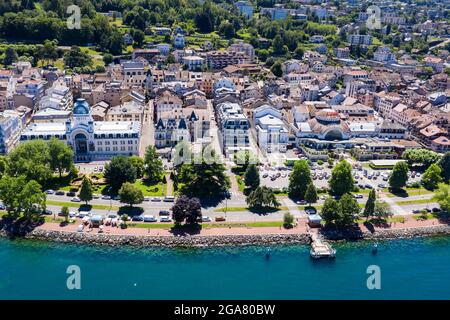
[227,240]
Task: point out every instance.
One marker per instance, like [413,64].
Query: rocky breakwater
[169,241]
[380,234]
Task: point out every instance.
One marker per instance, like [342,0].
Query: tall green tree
[10,56]
[311,194]
[61,156]
[65,213]
[187,210]
[202,178]
[330,211]
[442,196]
[3,165]
[348,210]
[32,160]
[22,197]
[86,190]
[130,194]
[382,210]
[138,163]
[32,200]
[432,177]
[399,176]
[369,208]
[277,69]
[341,181]
[251,177]
[77,58]
[262,197]
[153,165]
[420,157]
[299,179]
[288,220]
[444,163]
[118,171]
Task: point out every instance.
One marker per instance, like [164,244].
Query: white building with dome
[89,139]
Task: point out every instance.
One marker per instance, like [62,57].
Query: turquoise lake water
[410,269]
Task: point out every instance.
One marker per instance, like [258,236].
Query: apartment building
[359,39]
[233,128]
[221,59]
[10,128]
[134,73]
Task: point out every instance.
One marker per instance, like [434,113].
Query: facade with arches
[89,139]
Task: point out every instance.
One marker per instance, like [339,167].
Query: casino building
[89,139]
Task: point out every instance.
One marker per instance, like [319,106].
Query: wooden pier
[319,247]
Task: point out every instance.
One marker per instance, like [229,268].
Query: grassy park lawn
[239,209]
[80,204]
[416,201]
[155,190]
[408,192]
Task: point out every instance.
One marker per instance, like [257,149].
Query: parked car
[164,213]
[60,192]
[49,191]
[311,210]
[206,219]
[2,206]
[80,228]
[156,199]
[169,199]
[435,210]
[71,194]
[47,212]
[416,211]
[137,218]
[220,219]
[302,202]
[146,198]
[150,218]
[95,196]
[106,197]
[368,186]
[358,196]
[75,199]
[165,219]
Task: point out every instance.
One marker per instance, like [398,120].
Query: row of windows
[117,135]
[108,149]
[122,142]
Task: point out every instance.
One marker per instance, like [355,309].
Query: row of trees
[123,169]
[38,160]
[302,187]
[437,169]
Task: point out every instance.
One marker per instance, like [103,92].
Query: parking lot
[278,177]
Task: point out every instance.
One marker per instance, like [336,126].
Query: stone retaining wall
[225,240]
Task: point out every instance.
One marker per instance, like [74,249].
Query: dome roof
[328,115]
[80,107]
